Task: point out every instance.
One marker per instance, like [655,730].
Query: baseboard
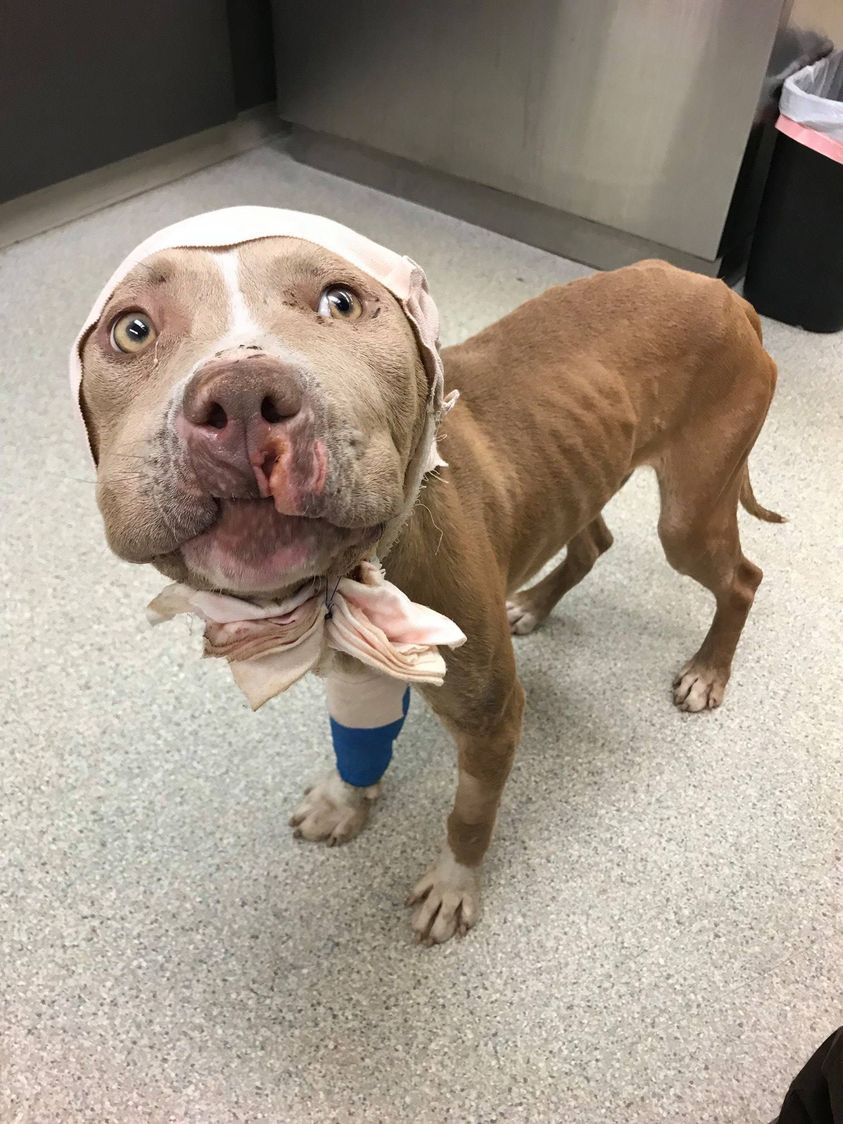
[534,223]
[82,195]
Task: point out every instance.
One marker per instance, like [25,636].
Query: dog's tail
[747,496]
[750,503]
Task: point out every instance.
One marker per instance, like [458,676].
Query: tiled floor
[663,939]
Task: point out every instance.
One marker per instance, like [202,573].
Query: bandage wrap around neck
[270,645]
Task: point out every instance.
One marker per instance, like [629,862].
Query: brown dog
[560,402]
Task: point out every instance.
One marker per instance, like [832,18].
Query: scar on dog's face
[252,412]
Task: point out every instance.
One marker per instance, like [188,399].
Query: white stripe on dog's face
[242,327]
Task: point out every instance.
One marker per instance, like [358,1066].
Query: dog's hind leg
[698,528]
[703,476]
[527,609]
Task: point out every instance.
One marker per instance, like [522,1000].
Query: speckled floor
[663,939]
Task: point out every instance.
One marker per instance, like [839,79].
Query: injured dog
[261,392]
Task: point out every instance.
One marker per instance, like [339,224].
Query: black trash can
[795,268]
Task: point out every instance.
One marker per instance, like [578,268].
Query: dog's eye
[132,332]
[340,302]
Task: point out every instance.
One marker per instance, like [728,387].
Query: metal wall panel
[631,113]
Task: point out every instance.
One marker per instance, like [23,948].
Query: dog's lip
[268,503]
[251,536]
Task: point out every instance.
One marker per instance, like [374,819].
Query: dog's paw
[332,810]
[522,618]
[447,901]
[698,688]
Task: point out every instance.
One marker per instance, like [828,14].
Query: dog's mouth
[253,548]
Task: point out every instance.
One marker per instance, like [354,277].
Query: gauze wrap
[270,645]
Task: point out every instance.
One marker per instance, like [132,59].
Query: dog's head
[260,391]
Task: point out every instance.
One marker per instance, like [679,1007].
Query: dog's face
[253,412]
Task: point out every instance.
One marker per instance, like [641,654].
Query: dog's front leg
[367,711]
[486,724]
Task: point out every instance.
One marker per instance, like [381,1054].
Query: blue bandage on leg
[364,753]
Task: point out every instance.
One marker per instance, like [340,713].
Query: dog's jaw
[253,550]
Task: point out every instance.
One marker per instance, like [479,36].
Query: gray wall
[87,82]
[252,51]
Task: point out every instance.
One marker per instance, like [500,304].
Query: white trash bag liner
[811,107]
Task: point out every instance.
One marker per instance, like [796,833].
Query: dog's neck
[425,460]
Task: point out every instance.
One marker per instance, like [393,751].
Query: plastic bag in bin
[811,107]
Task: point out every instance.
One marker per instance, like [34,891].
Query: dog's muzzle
[248,427]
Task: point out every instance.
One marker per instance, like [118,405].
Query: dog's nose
[235,416]
[226,392]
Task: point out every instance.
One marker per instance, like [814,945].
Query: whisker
[435,524]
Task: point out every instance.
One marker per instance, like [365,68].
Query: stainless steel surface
[603,247]
[629,113]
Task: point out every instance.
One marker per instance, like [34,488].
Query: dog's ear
[90,428]
[85,414]
[420,309]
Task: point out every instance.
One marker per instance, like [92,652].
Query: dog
[326,382]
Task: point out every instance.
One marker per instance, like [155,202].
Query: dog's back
[563,398]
